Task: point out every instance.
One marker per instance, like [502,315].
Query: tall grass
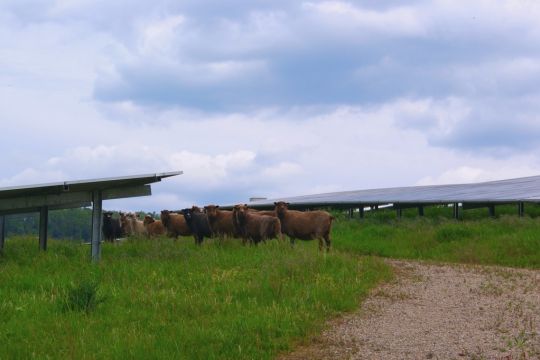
[166,299]
[477,239]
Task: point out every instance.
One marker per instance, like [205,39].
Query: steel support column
[351,213]
[491,209]
[361,211]
[421,210]
[456,211]
[2,232]
[521,209]
[43,222]
[399,212]
[97,202]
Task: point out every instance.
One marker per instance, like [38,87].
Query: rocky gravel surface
[439,311]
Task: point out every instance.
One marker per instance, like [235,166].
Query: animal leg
[328,242]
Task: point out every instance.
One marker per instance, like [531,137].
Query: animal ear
[217,206]
[275,203]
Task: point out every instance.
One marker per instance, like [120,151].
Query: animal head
[196,209]
[281,207]
[211,210]
[188,214]
[165,217]
[148,220]
[240,211]
[124,219]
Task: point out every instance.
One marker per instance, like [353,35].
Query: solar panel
[526,189]
[72,194]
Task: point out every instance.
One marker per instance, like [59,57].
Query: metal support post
[351,213]
[421,210]
[399,212]
[97,201]
[2,232]
[361,211]
[491,209]
[521,209]
[456,211]
[43,222]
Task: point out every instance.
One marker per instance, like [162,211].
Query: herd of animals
[249,225]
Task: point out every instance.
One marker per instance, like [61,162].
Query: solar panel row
[517,190]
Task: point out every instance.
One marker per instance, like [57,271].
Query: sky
[268,98]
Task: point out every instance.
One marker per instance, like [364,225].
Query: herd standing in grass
[250,225]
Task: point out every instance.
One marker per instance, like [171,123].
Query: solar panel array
[525,189]
[83,185]
[72,194]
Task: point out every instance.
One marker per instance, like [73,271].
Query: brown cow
[264,212]
[307,225]
[221,221]
[131,224]
[153,227]
[175,224]
[254,227]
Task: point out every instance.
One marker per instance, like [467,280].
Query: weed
[83,297]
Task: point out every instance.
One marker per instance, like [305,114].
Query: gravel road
[439,311]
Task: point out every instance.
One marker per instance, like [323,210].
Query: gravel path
[439,312]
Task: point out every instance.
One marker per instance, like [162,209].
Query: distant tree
[74,224]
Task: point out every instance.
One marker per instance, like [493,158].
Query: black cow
[111,227]
[198,224]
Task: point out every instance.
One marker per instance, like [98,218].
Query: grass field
[477,239]
[166,299]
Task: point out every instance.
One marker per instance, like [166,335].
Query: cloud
[229,158]
[268,98]
[467,174]
[326,52]
[340,16]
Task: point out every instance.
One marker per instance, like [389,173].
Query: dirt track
[439,312]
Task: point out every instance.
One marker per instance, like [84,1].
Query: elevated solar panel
[517,190]
[73,194]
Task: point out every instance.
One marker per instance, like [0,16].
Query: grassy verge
[477,239]
[166,299]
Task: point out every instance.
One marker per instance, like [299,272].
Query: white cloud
[159,35]
[430,81]
[344,16]
[211,170]
[468,174]
[275,153]
[283,170]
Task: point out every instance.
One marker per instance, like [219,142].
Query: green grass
[164,299]
[476,239]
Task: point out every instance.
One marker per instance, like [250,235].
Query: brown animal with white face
[131,224]
[175,224]
[221,221]
[254,227]
[308,225]
[153,227]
